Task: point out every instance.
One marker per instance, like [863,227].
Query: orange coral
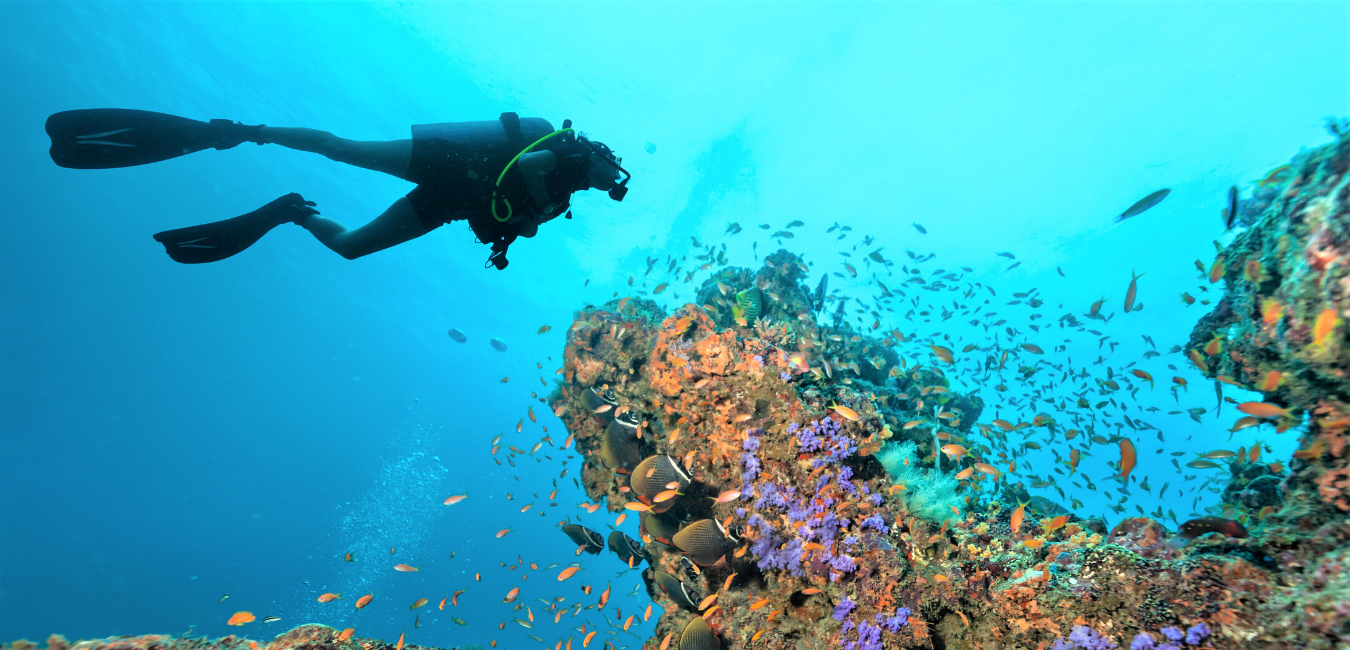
[1332,486]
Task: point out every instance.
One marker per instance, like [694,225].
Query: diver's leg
[398,224]
[391,157]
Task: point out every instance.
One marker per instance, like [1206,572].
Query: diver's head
[604,167]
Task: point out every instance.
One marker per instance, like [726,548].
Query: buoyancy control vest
[466,160]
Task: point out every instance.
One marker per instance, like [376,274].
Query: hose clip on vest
[497,188]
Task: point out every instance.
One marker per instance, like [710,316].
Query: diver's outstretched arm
[398,224]
[388,156]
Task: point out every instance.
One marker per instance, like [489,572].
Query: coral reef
[800,526]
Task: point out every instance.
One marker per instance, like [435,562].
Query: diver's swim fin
[103,138]
[212,242]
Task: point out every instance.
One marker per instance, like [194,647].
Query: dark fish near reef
[661,527]
[629,550]
[457,336]
[597,398]
[698,635]
[586,537]
[818,300]
[749,304]
[678,591]
[1197,527]
[619,444]
[920,228]
[498,345]
[1230,213]
[1143,204]
[705,541]
[651,477]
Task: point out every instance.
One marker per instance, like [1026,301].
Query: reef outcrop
[788,531]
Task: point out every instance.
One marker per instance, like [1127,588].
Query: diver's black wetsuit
[456,166]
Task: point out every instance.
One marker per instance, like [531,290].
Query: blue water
[173,433]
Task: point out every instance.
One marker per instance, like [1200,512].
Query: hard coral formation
[822,547]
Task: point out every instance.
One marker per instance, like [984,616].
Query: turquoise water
[170,433]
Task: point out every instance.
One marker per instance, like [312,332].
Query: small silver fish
[271,619]
[223,598]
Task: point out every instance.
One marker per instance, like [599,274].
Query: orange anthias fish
[943,353]
[1032,348]
[954,451]
[568,572]
[846,412]
[405,568]
[1198,360]
[502,533]
[454,599]
[1216,270]
[420,602]
[1263,409]
[364,600]
[442,605]
[346,634]
[1127,460]
[348,558]
[1017,516]
[456,498]
[328,598]
[1144,376]
[1215,345]
[241,618]
[1270,382]
[1074,457]
[1056,523]
[401,636]
[728,496]
[1254,272]
[1271,311]
[1326,323]
[511,595]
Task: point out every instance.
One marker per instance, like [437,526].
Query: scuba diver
[506,177]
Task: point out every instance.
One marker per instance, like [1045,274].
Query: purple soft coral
[843,608]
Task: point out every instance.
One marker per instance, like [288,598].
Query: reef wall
[746,435]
